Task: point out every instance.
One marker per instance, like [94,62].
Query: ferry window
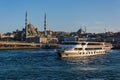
[70,43]
[77,48]
[66,54]
[80,48]
[93,48]
[94,44]
[83,43]
[88,48]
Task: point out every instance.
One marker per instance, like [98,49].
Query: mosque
[31,34]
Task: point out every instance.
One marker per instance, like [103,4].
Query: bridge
[5,45]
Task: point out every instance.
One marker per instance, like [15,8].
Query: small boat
[78,48]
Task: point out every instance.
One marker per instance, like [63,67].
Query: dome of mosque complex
[32,31]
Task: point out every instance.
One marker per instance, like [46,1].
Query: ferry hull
[64,54]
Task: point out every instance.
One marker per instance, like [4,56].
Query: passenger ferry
[77,48]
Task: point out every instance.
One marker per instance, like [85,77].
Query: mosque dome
[31,30]
[30,25]
[80,31]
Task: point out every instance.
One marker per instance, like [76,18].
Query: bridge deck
[24,45]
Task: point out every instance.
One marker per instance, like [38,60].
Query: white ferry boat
[77,48]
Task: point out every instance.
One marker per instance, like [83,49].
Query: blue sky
[62,15]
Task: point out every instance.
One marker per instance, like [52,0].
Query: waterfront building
[30,34]
[30,30]
[8,35]
[33,35]
[43,40]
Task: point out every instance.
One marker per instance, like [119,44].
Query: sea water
[45,64]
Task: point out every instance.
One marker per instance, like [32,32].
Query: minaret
[85,29]
[26,25]
[45,25]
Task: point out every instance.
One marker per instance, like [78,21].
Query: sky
[62,15]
